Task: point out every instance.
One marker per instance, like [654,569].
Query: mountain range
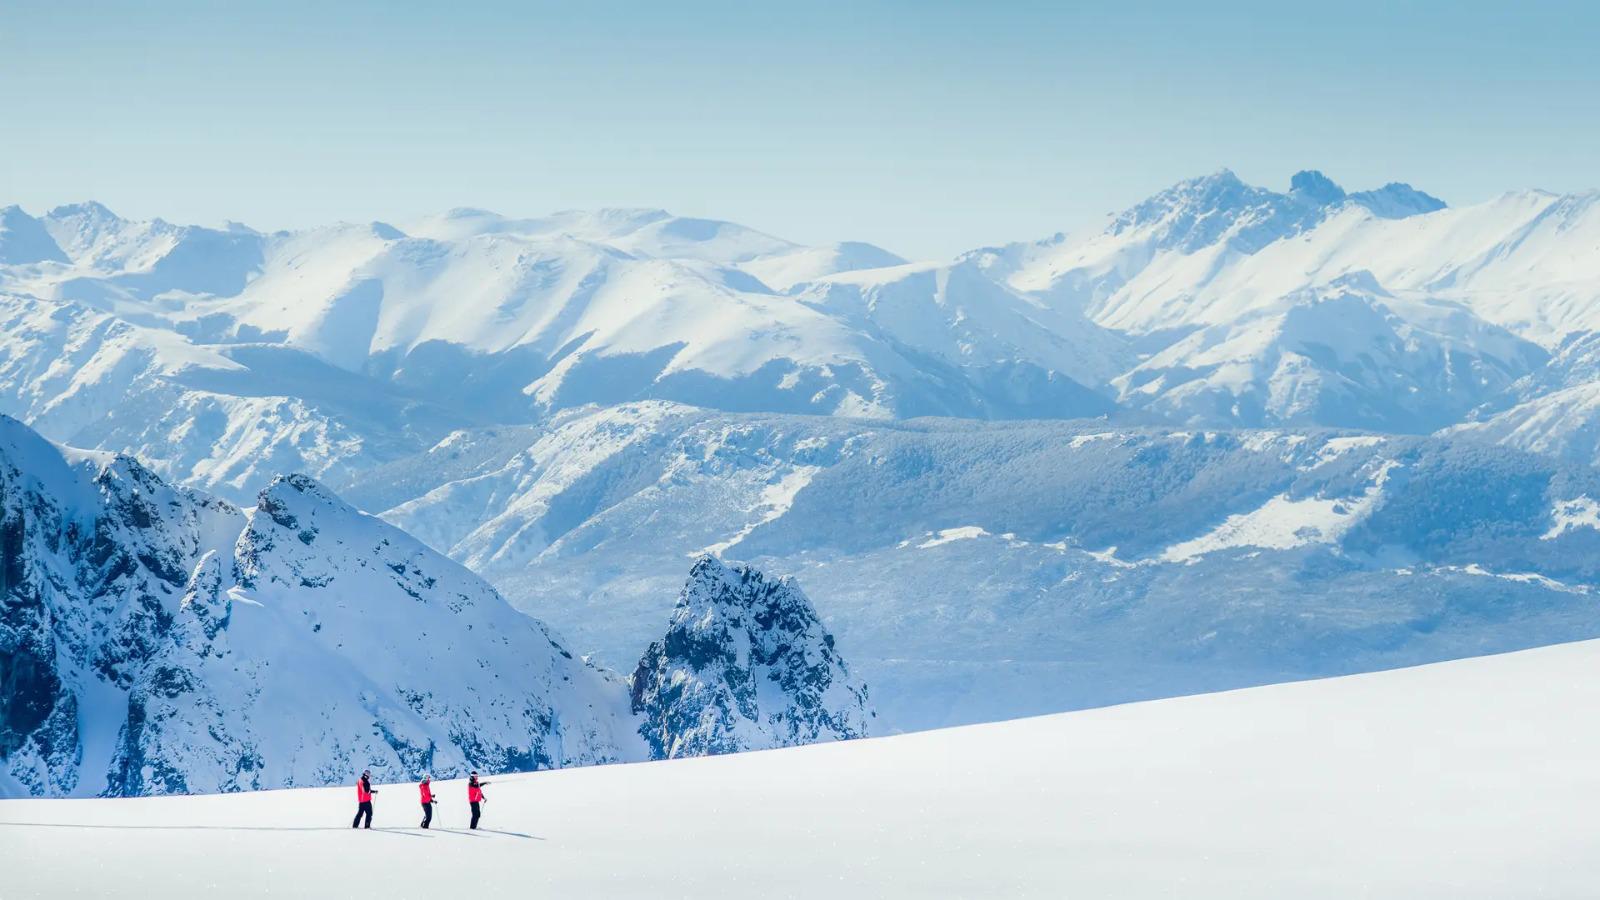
[1228,436]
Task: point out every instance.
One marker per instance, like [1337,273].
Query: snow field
[1465,779]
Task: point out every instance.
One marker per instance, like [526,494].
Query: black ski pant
[364,809]
[427,814]
[476,811]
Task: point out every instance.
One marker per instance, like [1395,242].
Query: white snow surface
[1468,779]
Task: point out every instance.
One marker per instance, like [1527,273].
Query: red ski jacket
[427,793]
[474,794]
[363,791]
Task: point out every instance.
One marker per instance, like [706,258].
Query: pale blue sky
[926,127]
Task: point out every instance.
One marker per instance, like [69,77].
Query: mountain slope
[23,239]
[1554,410]
[1024,358]
[1347,356]
[160,641]
[143,260]
[1118,802]
[782,271]
[226,418]
[548,321]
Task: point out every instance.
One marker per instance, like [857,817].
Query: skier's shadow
[484,832]
[204,827]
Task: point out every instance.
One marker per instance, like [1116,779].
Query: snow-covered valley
[1470,779]
[984,570]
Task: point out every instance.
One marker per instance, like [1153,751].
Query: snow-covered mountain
[227,356]
[160,641]
[156,640]
[576,406]
[1193,228]
[24,239]
[227,418]
[782,271]
[1553,410]
[745,664]
[542,313]
[1350,355]
[1214,248]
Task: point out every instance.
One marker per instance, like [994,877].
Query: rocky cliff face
[745,664]
[156,640]
[95,553]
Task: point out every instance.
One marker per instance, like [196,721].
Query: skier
[364,794]
[427,799]
[475,796]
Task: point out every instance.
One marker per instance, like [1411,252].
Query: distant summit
[1315,187]
[24,240]
[1392,201]
[1396,200]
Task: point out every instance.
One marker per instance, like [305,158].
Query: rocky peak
[1315,187]
[1201,212]
[745,664]
[1220,208]
[23,239]
[1397,200]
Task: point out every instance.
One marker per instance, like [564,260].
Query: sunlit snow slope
[1459,780]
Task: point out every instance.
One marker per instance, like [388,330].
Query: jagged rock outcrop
[745,664]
